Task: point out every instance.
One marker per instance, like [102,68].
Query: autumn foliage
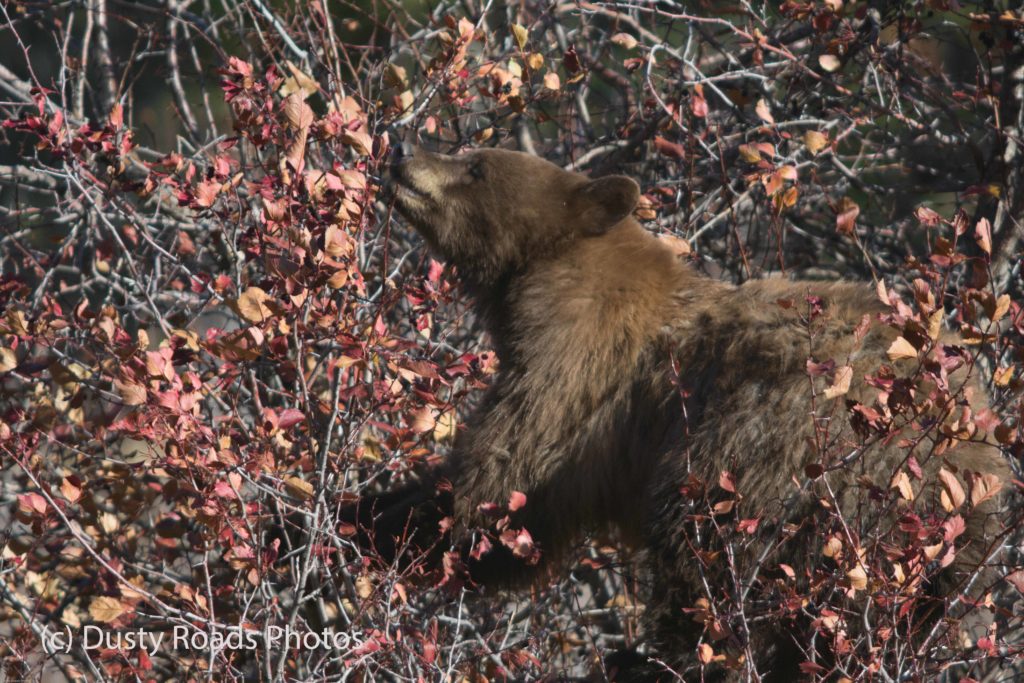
[215,335]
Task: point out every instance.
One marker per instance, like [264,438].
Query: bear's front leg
[503,516]
[403,525]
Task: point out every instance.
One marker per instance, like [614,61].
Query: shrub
[215,335]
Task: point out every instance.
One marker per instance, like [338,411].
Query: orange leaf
[983,235]
[984,487]
[815,141]
[952,492]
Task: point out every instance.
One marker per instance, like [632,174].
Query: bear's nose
[403,152]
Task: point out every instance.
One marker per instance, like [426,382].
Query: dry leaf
[983,235]
[815,141]
[551,81]
[749,154]
[858,578]
[295,153]
[422,420]
[953,495]
[297,113]
[338,280]
[983,487]
[131,393]
[901,348]
[299,82]
[108,522]
[902,482]
[764,112]
[883,294]
[70,491]
[935,324]
[8,361]
[1002,306]
[841,384]
[105,609]
[252,305]
[521,35]
[359,140]
[300,488]
[395,76]
[444,430]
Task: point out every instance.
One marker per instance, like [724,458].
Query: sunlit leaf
[106,609]
[953,495]
[521,35]
[252,305]
[624,40]
[841,383]
[815,141]
[829,62]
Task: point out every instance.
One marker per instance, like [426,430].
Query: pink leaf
[516,501]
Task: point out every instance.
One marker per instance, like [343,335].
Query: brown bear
[634,394]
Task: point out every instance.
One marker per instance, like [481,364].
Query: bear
[637,396]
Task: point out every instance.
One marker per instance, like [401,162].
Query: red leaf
[846,216]
[748,526]
[482,547]
[698,105]
[290,417]
[669,149]
[927,216]
[206,193]
[571,60]
[116,118]
[516,501]
[953,527]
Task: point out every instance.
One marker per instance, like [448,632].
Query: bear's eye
[476,171]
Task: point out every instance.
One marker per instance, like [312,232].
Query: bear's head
[491,212]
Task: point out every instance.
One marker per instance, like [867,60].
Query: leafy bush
[215,334]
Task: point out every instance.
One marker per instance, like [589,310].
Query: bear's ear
[602,203]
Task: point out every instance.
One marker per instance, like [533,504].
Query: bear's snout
[402,152]
[402,156]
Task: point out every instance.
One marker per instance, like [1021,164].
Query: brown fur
[588,312]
